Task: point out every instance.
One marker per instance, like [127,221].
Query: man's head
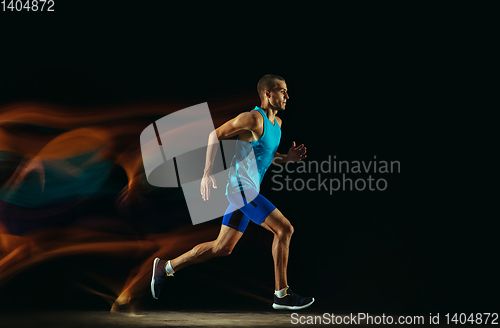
[273,92]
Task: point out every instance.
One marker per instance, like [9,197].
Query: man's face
[279,96]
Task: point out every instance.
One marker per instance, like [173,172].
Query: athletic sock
[168,268]
[281,293]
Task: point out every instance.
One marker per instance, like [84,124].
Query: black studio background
[359,86]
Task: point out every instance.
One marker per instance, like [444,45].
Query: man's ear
[268,93]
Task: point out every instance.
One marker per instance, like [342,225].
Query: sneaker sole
[288,307]
[155,264]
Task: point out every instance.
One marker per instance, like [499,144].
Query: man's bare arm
[280,158]
[238,125]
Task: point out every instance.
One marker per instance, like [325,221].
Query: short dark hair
[268,82]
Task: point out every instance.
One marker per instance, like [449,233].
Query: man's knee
[285,230]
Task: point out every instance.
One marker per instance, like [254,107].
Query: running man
[258,130]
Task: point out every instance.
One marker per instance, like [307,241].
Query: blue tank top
[247,167]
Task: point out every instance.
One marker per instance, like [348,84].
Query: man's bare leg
[283,230]
[222,246]
[284,298]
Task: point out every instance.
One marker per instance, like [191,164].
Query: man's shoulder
[250,119]
[256,114]
[252,116]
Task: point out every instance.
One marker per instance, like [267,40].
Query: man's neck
[270,111]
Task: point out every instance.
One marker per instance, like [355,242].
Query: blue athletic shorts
[245,206]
